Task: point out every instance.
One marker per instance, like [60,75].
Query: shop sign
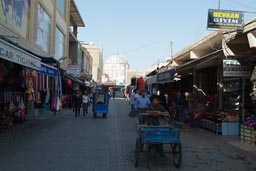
[236,71]
[73,70]
[225,19]
[167,76]
[14,54]
[48,70]
[152,80]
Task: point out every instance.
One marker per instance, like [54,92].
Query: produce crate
[248,134]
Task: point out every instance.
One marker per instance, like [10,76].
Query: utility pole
[219,5]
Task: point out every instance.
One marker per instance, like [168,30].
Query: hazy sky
[142,30]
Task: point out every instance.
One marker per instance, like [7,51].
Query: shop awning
[48,70]
[75,17]
[76,80]
[48,60]
[202,62]
[166,76]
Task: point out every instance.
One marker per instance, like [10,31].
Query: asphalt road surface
[67,143]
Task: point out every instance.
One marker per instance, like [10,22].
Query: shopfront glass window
[59,44]
[43,30]
[16,16]
[61,6]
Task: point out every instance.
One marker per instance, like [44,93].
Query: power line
[139,48]
[243,5]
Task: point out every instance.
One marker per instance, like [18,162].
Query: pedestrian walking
[133,99]
[77,102]
[86,102]
[142,104]
[114,94]
[182,107]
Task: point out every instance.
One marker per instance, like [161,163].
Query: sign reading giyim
[225,19]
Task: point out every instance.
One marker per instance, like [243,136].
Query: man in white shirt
[133,99]
[86,101]
[142,104]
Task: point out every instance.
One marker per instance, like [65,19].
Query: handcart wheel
[137,151]
[177,154]
[94,115]
[104,115]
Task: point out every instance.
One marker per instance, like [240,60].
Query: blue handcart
[151,135]
[100,104]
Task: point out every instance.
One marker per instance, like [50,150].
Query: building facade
[37,37]
[116,67]
[39,25]
[87,62]
[34,47]
[105,78]
[131,74]
[96,52]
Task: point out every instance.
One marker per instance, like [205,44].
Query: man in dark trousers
[114,94]
[77,102]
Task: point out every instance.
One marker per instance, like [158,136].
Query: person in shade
[77,102]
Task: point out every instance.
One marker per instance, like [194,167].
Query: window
[43,30]
[61,6]
[16,16]
[59,43]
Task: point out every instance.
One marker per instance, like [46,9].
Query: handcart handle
[154,126]
[148,114]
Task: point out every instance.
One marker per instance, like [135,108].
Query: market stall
[225,123]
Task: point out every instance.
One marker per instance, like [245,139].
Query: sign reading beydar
[224,19]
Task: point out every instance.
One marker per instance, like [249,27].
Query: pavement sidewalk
[230,145]
[33,121]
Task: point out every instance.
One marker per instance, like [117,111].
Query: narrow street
[66,143]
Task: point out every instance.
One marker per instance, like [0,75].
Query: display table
[213,126]
[224,128]
[225,123]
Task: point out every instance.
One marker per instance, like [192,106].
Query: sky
[142,30]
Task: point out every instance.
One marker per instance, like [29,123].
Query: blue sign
[48,70]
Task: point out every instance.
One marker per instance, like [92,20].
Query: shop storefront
[27,84]
[71,85]
[14,87]
[45,83]
[218,98]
